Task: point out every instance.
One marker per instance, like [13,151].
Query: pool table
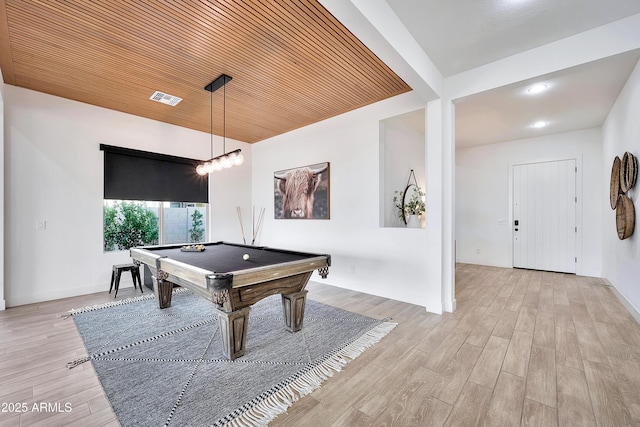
[220,273]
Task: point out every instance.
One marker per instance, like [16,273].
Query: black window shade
[142,175]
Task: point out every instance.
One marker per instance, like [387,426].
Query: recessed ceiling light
[537,88]
[539,124]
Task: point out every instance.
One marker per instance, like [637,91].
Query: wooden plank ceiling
[292,62]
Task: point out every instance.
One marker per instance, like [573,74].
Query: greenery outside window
[141,223]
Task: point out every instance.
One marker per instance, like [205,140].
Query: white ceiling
[575,98]
[459,35]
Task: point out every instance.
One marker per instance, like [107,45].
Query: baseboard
[3,305]
[432,307]
[476,261]
[627,304]
[450,308]
[463,260]
[58,294]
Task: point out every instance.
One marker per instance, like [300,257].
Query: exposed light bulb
[208,167]
[201,170]
[238,159]
[226,162]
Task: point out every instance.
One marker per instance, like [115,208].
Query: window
[139,187]
[129,223]
[183,222]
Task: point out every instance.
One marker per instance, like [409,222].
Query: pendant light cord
[211,120]
[224,117]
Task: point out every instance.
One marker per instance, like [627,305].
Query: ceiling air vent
[165,98]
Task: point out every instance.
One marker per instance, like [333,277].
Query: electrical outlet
[41,225]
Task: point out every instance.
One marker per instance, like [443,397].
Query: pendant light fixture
[225,160]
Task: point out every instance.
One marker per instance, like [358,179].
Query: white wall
[389,262]
[228,189]
[54,173]
[2,181]
[483,201]
[621,132]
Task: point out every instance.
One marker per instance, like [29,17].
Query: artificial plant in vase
[409,202]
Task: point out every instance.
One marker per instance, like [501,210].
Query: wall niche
[402,149]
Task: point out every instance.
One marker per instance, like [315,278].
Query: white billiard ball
[245,257]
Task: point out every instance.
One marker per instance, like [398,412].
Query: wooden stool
[117,271]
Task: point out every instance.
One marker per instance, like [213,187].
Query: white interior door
[544,216]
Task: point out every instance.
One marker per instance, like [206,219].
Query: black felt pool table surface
[226,257]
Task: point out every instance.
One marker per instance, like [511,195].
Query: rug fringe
[114,303]
[78,362]
[278,403]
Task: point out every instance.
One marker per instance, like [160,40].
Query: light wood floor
[523,348]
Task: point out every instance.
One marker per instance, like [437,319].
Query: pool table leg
[163,289]
[293,309]
[233,331]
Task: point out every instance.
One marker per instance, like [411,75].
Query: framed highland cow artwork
[302,193]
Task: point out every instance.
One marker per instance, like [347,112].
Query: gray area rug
[165,367]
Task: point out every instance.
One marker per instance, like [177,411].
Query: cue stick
[257,230]
[244,240]
[261,219]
